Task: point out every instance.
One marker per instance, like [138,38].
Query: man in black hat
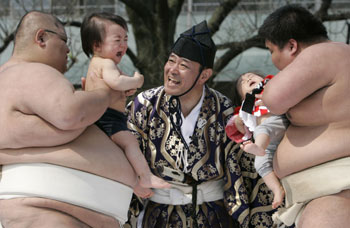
[180,127]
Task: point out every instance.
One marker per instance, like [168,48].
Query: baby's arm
[114,79]
[235,134]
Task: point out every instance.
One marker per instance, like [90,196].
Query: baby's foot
[278,197]
[143,192]
[252,148]
[152,181]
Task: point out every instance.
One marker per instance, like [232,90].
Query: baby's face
[115,42]
[248,82]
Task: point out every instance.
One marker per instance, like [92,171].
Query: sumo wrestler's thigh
[327,212]
[43,213]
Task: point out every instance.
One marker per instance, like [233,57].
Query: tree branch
[176,6]
[73,23]
[234,49]
[8,39]
[255,41]
[139,7]
[220,14]
[134,59]
[323,11]
[336,17]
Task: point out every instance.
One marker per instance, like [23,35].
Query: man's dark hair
[93,29]
[292,22]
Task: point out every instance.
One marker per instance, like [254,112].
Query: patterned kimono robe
[212,156]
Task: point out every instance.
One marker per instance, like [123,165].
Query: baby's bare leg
[258,148]
[274,184]
[130,145]
[327,212]
[43,213]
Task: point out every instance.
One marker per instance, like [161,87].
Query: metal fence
[261,5]
[77,8]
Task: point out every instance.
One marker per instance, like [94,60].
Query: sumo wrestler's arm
[47,111]
[295,82]
[57,102]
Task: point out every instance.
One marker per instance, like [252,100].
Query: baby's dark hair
[93,29]
[237,98]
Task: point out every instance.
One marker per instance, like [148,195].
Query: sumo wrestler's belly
[303,147]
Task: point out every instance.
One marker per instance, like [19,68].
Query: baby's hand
[140,79]
[239,124]
[259,96]
[259,102]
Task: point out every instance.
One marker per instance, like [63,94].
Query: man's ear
[40,37]
[206,74]
[293,46]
